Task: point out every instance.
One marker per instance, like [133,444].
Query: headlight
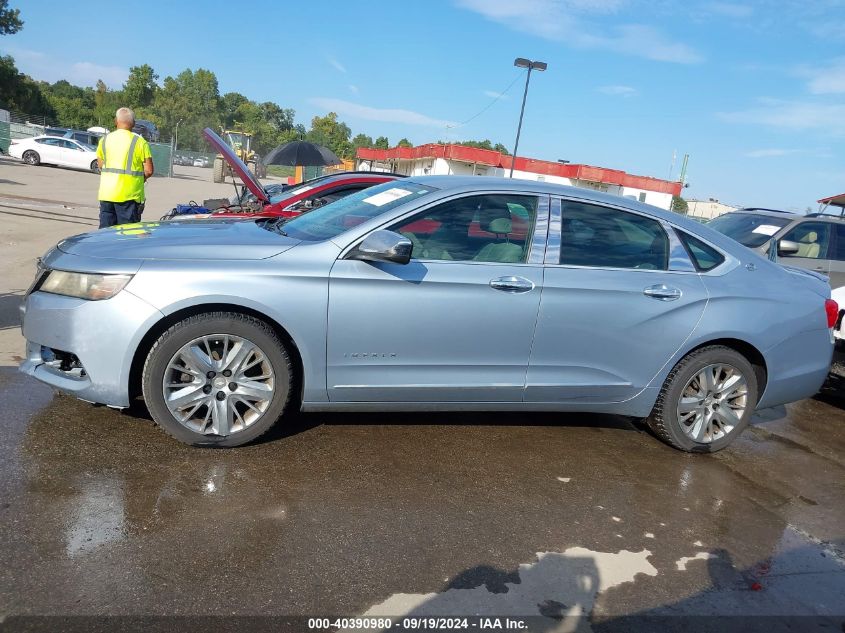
[93,286]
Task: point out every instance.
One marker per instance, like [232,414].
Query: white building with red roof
[439,159]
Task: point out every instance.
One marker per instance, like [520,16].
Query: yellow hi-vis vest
[122,175]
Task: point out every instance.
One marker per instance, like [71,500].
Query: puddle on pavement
[345,514]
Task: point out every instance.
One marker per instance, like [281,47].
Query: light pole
[521,62]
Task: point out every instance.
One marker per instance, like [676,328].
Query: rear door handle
[662,292]
[512,284]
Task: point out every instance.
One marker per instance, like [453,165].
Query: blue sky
[753,92]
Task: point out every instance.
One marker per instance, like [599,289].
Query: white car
[51,150]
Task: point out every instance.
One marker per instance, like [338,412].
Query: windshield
[335,218]
[748,229]
[289,192]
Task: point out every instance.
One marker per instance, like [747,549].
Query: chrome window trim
[678,261]
[555,229]
[542,207]
[539,236]
[679,258]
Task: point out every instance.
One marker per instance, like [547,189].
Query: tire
[687,431]
[206,423]
[219,174]
[31,157]
[94,167]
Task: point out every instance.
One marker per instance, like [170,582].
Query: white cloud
[385,115]
[621,91]
[561,20]
[793,115]
[827,29]
[495,95]
[771,152]
[829,79]
[353,89]
[729,9]
[337,65]
[82,73]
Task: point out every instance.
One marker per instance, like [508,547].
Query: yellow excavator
[241,143]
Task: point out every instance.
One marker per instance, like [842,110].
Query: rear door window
[602,237]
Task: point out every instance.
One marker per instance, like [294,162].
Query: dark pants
[112,213]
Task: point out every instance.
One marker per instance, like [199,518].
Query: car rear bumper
[797,367]
[85,348]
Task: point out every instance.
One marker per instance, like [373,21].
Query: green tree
[140,87]
[382,143]
[10,20]
[361,140]
[403,142]
[329,132]
[679,205]
[106,103]
[485,144]
[192,97]
[20,92]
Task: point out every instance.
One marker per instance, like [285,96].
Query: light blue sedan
[430,294]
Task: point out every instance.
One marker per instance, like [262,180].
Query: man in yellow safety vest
[125,164]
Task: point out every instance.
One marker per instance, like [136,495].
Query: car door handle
[512,284]
[662,292]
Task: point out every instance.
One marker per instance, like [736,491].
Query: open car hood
[236,164]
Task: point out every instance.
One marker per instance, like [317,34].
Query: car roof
[469,184]
[346,175]
[772,213]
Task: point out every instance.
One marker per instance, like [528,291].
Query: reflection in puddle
[97,516]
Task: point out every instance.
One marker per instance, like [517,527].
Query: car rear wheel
[31,157]
[217,379]
[706,401]
[95,167]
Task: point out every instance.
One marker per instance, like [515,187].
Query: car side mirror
[383,246]
[788,247]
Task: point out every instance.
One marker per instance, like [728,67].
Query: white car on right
[52,150]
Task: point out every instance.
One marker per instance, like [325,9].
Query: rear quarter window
[704,257]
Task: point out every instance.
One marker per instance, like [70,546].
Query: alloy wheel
[218,384]
[712,403]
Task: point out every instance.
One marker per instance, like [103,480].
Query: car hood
[210,239]
[237,165]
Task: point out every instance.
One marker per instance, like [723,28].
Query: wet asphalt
[103,514]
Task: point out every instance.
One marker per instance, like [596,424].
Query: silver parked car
[433,293]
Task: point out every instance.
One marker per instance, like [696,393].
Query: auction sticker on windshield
[387,196]
[767,229]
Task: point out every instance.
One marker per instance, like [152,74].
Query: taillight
[832,310]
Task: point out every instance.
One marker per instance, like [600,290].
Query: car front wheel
[217,379]
[95,167]
[31,158]
[706,401]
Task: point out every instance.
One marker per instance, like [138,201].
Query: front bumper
[103,336]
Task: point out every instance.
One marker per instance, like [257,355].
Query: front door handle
[512,284]
[662,292]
